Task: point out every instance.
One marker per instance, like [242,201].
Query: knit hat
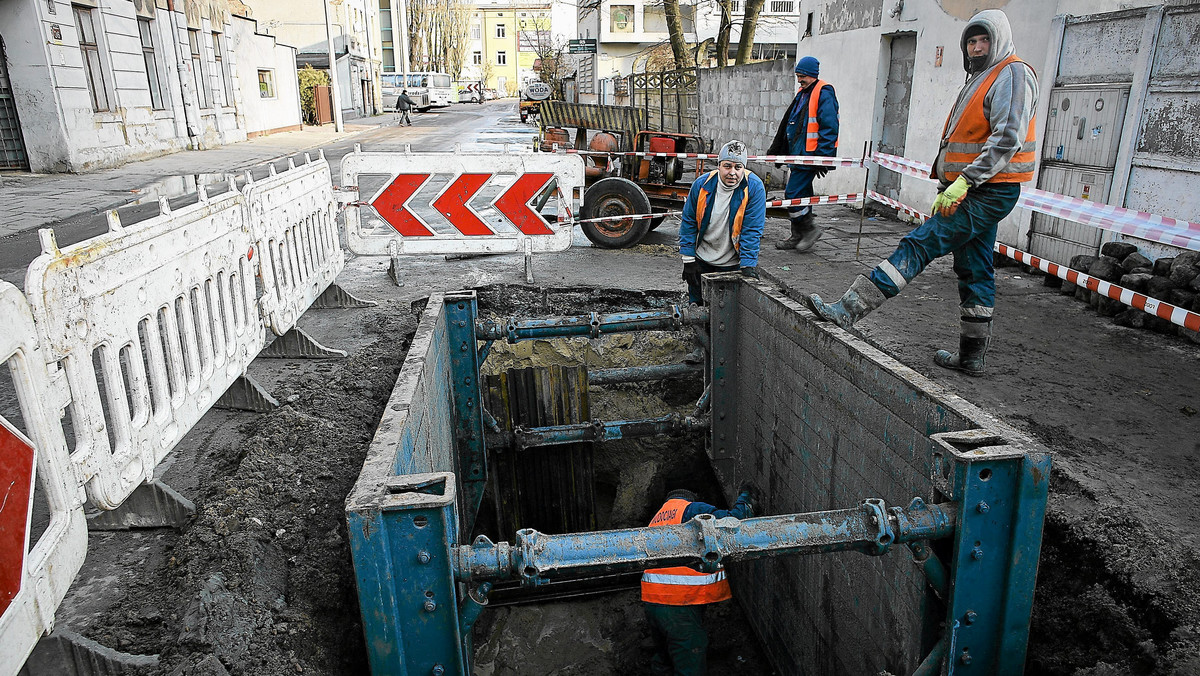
[808,66]
[734,151]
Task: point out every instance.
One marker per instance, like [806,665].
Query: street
[1116,406]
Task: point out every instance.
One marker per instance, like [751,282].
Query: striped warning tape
[1153,227]
[780,159]
[848,198]
[903,165]
[1175,315]
[898,206]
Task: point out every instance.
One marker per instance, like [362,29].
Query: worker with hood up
[988,148]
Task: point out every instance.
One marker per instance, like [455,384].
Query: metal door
[12,144]
[1085,125]
[1058,239]
[896,97]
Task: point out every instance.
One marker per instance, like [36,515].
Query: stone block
[1191,258]
[1159,287]
[1132,318]
[1118,250]
[1144,270]
[1183,275]
[1162,266]
[1136,281]
[1053,281]
[1082,294]
[1082,262]
[1135,260]
[1181,297]
[1107,268]
[1109,307]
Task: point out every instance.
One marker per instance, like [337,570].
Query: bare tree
[555,63]
[726,7]
[438,35]
[749,22]
[675,30]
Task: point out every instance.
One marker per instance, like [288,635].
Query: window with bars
[736,7]
[783,6]
[152,76]
[91,58]
[223,75]
[199,70]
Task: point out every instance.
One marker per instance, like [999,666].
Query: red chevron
[514,204]
[454,204]
[390,205]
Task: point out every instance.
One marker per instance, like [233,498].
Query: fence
[669,98]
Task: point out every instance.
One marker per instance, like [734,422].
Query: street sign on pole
[582,46]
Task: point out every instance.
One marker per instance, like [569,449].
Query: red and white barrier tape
[903,165]
[780,159]
[848,198]
[1175,315]
[630,217]
[1153,227]
[899,206]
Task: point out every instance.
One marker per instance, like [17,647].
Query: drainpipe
[191,115]
[334,89]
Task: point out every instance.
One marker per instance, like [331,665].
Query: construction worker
[722,220]
[675,598]
[404,104]
[988,149]
[809,127]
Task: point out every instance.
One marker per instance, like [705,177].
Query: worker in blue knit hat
[809,127]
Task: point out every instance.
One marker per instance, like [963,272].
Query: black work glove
[780,165]
[749,494]
[691,272]
[751,272]
[821,171]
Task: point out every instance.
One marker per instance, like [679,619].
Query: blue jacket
[750,190]
[741,510]
[792,133]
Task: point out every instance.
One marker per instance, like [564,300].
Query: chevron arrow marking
[454,204]
[514,204]
[390,203]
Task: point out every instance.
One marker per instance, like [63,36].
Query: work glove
[750,272]
[821,171]
[691,269]
[751,496]
[948,200]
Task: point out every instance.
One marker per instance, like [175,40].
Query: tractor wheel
[657,220]
[615,197]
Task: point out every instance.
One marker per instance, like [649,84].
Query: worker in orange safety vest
[675,598]
[988,148]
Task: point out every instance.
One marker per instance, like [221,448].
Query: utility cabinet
[1084,125]
[1058,239]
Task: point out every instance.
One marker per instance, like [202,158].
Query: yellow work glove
[948,200]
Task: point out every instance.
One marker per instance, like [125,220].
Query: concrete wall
[255,50]
[821,420]
[747,103]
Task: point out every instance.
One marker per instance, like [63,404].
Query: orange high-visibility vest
[681,586]
[702,201]
[966,140]
[814,128]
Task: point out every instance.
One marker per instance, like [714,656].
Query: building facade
[97,83]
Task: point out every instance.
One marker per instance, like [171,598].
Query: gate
[12,144]
[670,99]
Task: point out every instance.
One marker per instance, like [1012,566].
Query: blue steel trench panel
[471,465]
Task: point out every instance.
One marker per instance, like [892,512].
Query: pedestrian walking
[404,104]
[809,127]
[988,149]
[675,598]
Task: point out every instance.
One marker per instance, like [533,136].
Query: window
[783,6]
[501,59]
[808,26]
[226,82]
[266,83]
[476,32]
[500,30]
[152,77]
[735,7]
[91,58]
[621,18]
[199,71]
[477,58]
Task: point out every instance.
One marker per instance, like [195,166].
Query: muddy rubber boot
[858,301]
[972,349]
[809,234]
[798,230]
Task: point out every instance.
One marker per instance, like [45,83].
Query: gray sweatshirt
[716,247]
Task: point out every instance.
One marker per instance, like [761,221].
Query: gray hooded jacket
[1009,104]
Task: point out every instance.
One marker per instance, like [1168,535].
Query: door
[896,94]
[12,144]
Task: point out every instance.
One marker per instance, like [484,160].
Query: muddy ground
[261,581]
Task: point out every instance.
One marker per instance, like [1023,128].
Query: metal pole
[862,211]
[334,88]
[595,431]
[592,325]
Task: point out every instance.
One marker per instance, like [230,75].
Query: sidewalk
[32,200]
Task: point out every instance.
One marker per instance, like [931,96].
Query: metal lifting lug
[877,518]
[526,553]
[483,559]
[677,317]
[711,557]
[594,323]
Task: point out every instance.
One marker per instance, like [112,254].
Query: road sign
[581,46]
[16,487]
[455,204]
[537,90]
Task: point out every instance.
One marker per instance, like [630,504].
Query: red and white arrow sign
[454,204]
[16,486]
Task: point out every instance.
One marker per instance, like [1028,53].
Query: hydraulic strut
[592,325]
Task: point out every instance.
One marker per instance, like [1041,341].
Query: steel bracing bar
[596,430]
[592,325]
[704,541]
[638,374]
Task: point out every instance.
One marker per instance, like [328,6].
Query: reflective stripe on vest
[702,202]
[680,585]
[814,128]
[966,141]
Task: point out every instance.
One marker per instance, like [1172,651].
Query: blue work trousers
[800,184]
[970,234]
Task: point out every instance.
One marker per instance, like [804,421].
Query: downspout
[182,70]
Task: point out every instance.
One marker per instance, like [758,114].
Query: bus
[427,89]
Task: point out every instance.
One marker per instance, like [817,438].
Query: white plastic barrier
[33,581]
[292,216]
[151,324]
[443,203]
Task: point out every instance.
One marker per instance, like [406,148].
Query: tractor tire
[656,221]
[615,197]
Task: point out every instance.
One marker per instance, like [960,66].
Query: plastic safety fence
[458,203]
[151,324]
[33,579]
[292,216]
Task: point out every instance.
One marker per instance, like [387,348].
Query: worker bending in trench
[988,149]
[675,598]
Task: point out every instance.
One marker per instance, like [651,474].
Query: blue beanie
[808,66]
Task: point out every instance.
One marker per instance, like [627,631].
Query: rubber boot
[858,301]
[973,342]
[809,234]
[800,225]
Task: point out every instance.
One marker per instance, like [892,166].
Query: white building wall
[254,51]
